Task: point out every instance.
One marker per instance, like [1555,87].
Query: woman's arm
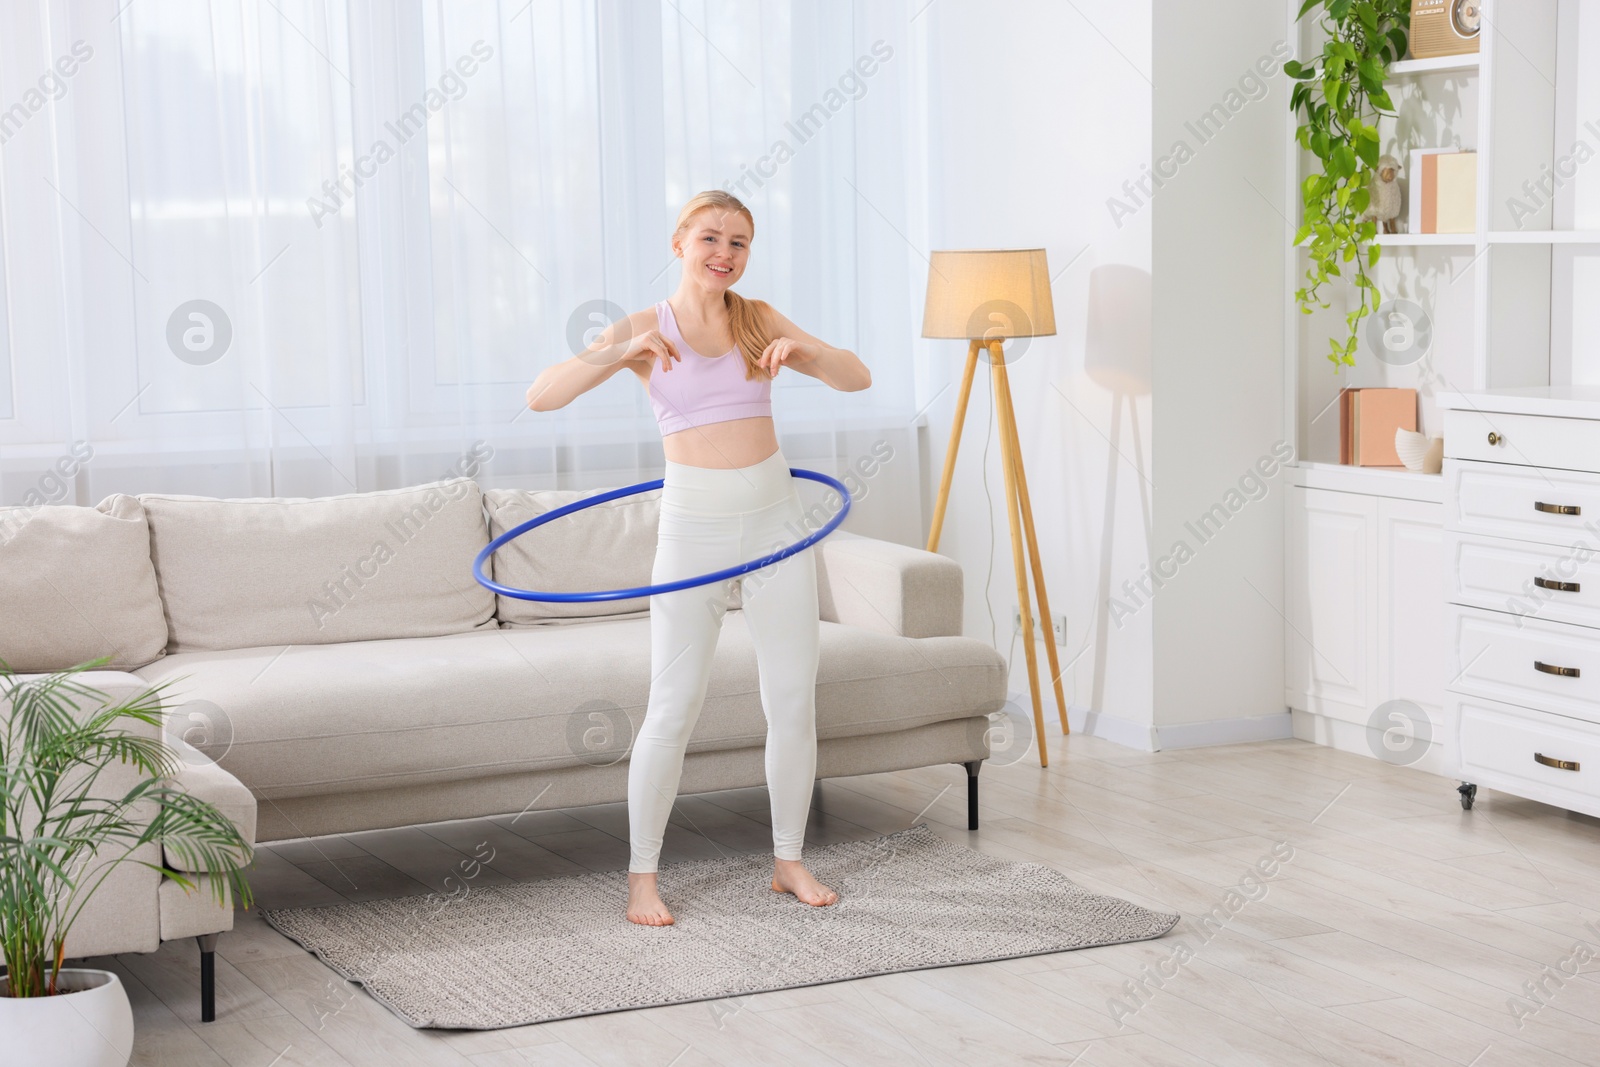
[560,384]
[838,368]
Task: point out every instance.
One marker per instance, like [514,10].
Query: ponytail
[748,319]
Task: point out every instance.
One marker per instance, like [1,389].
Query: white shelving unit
[1512,305]
[1410,68]
[1413,240]
[1545,237]
[1501,299]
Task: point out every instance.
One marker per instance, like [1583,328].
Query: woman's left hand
[781,351]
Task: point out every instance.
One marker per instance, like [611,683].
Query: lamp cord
[988,434]
[1011,654]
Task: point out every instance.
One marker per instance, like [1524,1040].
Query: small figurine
[1384,206]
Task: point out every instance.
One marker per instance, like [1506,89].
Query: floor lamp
[989,296]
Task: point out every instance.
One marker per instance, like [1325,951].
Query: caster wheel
[1469,793]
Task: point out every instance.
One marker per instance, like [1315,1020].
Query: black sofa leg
[972,767]
[208,977]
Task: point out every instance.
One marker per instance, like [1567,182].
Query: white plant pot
[89,1026]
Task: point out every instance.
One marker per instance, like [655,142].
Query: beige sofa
[339,669]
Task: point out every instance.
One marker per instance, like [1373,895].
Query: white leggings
[712,519]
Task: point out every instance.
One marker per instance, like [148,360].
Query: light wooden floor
[1396,934]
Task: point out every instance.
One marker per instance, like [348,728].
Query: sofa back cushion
[76,584]
[608,546]
[309,571]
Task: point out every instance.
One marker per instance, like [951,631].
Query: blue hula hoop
[648,590]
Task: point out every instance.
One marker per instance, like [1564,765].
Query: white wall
[1219,241]
[1047,146]
[1039,113]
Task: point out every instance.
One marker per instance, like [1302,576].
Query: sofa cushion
[298,571]
[321,719]
[77,583]
[607,546]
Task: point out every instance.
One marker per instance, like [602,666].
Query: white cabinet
[1411,595]
[1549,758]
[1522,547]
[1333,575]
[1523,659]
[1366,595]
[1523,578]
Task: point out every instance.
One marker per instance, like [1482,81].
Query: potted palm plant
[87,787]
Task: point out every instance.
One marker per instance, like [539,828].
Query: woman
[707,357]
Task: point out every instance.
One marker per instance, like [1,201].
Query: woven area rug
[516,954]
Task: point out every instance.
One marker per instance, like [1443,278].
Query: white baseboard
[1084,720]
[1360,740]
[1274,727]
[1147,738]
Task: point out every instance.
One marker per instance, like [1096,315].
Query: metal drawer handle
[1565,672]
[1557,509]
[1562,587]
[1558,764]
[1495,438]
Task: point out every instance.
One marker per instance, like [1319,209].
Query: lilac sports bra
[703,389]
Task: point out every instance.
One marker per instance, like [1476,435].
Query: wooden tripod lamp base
[1019,509]
[988,296]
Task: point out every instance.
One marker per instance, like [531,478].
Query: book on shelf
[1443,191]
[1368,418]
[1414,187]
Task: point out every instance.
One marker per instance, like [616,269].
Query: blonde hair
[746,317]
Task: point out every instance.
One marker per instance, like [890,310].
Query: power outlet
[1058,624]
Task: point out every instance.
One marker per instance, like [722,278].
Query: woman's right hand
[650,346]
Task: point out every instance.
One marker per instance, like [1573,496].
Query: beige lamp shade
[989,293]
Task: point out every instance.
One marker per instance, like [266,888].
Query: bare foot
[791,876]
[644,902]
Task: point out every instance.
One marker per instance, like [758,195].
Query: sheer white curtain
[304,247]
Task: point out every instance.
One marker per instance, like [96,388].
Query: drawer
[1529,440]
[1501,747]
[1522,502]
[1500,574]
[1492,654]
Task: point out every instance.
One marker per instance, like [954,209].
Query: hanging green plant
[1340,94]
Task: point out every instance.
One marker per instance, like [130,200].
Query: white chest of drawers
[1522,564]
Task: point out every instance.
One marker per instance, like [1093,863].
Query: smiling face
[715,247]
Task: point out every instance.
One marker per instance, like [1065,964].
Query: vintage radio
[1445,27]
